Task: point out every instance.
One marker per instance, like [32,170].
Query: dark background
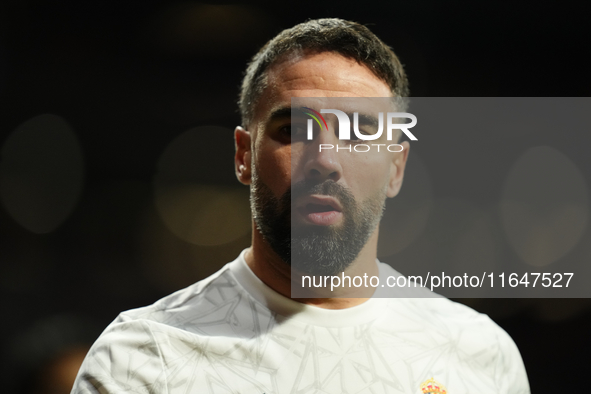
[130,77]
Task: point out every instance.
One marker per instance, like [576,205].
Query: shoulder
[124,346]
[211,294]
[131,352]
[438,313]
[463,331]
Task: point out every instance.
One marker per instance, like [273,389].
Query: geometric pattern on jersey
[230,333]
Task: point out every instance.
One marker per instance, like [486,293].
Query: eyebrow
[285,112]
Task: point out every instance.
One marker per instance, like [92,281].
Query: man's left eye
[354,136]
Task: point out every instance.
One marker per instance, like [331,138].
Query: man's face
[316,207]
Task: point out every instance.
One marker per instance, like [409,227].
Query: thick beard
[315,250]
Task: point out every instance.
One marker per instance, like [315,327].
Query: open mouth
[320,211]
[318,208]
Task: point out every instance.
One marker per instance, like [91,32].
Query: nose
[323,163]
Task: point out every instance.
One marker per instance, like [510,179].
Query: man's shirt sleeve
[511,373]
[125,359]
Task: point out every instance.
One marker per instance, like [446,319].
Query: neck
[276,274]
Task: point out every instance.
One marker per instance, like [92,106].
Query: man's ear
[242,159]
[397,170]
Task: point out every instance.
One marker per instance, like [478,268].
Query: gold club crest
[431,386]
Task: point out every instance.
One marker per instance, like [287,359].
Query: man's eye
[367,131]
[295,131]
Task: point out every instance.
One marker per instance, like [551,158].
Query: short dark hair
[349,39]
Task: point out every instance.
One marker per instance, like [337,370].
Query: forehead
[326,74]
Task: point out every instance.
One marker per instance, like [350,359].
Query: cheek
[273,166]
[369,174]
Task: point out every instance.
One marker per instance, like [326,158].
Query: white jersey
[230,333]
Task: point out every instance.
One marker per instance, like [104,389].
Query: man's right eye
[294,131]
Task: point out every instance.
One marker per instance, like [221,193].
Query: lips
[319,210]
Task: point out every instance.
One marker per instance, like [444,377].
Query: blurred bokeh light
[544,206]
[188,194]
[201,218]
[205,215]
